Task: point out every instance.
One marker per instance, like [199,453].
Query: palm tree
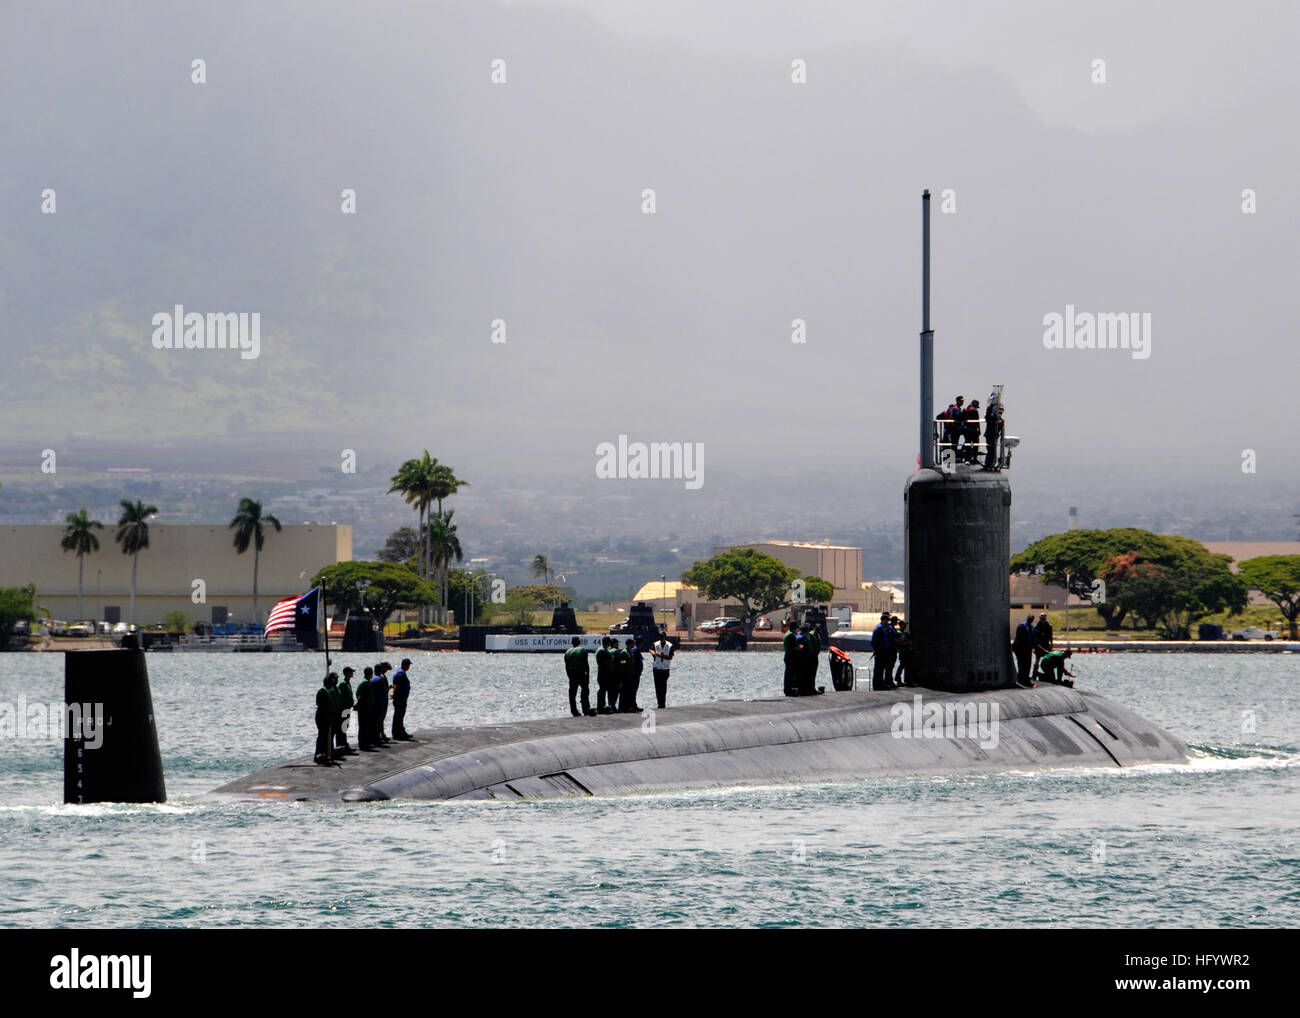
[444,545]
[445,484]
[542,570]
[133,535]
[414,480]
[247,526]
[80,537]
[422,482]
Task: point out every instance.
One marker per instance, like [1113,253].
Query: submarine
[961,713]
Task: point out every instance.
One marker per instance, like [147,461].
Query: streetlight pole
[664,578]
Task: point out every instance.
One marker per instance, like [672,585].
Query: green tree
[1086,555]
[17,604]
[519,606]
[403,545]
[1142,590]
[133,535]
[545,593]
[1277,577]
[465,594]
[444,545]
[79,537]
[423,482]
[1187,584]
[445,484]
[248,529]
[175,621]
[759,582]
[818,591]
[1201,592]
[379,588]
[415,481]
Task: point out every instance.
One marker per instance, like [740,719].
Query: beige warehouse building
[177,557]
[839,565]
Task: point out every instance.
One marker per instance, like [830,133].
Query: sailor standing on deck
[604,678]
[662,653]
[891,654]
[631,681]
[1023,649]
[347,700]
[336,716]
[1042,640]
[579,673]
[365,711]
[401,693]
[790,644]
[906,654]
[992,431]
[952,417]
[812,657]
[880,646]
[324,719]
[970,432]
[618,672]
[379,704]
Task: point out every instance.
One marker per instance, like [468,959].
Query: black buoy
[360,635]
[564,619]
[110,749]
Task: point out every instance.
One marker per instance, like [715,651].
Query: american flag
[285,614]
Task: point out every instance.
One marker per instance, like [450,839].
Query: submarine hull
[836,737]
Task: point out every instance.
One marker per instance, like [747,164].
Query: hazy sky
[523,202]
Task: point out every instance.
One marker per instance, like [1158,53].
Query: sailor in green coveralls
[579,673]
[790,644]
[324,719]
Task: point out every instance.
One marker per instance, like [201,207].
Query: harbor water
[1211,844]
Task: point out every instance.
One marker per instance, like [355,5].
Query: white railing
[961,440]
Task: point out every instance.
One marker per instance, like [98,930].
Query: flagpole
[324,617]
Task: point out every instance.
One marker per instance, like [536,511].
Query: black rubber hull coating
[126,765]
[957,550]
[909,733]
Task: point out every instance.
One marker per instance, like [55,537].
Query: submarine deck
[837,736]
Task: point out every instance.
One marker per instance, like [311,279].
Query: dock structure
[836,737]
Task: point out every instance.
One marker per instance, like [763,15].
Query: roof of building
[806,544]
[1239,551]
[1032,590]
[657,590]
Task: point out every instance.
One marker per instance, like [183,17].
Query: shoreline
[768,645]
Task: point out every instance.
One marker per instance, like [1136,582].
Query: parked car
[619,627]
[123,627]
[715,625]
[763,624]
[80,629]
[1255,633]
